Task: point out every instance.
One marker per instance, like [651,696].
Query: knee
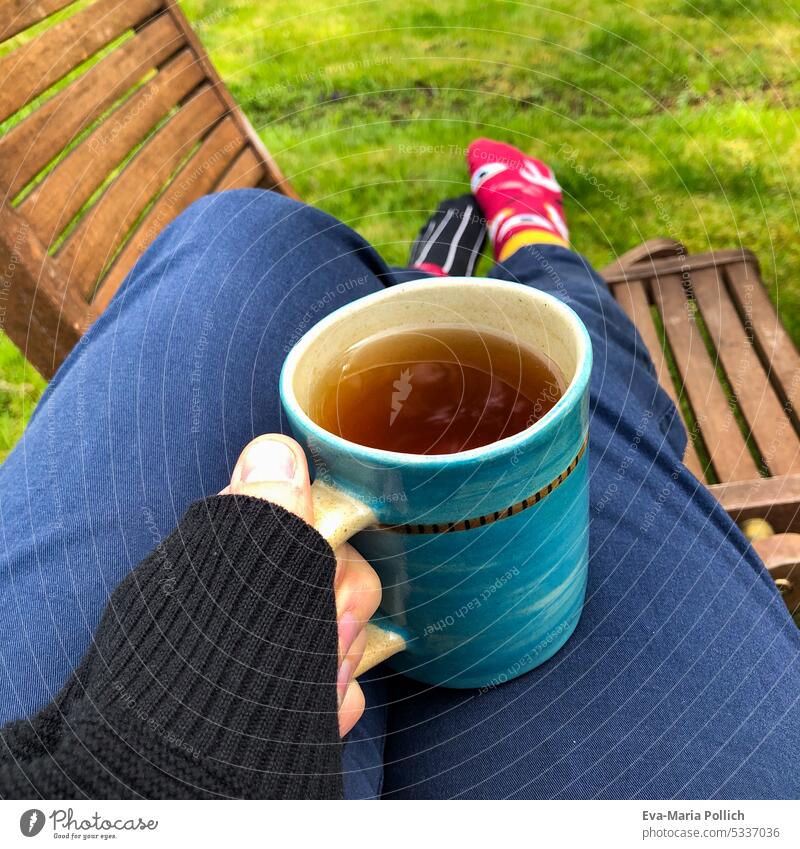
[214,230]
[242,211]
[248,201]
[265,226]
[253,243]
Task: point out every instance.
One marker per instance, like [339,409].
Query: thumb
[273,467]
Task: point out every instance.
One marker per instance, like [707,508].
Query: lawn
[675,119]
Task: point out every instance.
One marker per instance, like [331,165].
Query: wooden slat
[195,179]
[646,252]
[31,144]
[729,454]
[18,15]
[106,224]
[775,499]
[769,425]
[36,65]
[781,555]
[679,265]
[58,198]
[632,297]
[273,178]
[43,319]
[769,336]
[245,173]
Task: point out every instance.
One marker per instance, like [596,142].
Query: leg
[150,412]
[448,244]
[450,241]
[683,676]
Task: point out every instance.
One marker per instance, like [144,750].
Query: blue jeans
[682,679]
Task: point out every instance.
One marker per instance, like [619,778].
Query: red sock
[519,196]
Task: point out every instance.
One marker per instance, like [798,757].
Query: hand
[278,472]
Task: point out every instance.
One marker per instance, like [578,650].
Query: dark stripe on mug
[498,515]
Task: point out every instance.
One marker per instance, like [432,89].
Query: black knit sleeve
[212,673]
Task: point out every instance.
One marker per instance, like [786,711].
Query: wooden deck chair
[112,121]
[726,360]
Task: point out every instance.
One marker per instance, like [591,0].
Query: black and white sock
[450,243]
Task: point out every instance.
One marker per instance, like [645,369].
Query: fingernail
[343,680]
[348,631]
[268,460]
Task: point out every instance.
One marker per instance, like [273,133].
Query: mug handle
[338,516]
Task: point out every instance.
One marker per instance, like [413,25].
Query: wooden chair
[115,122]
[728,363]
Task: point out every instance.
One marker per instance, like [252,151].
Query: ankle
[450,242]
[430,268]
[528,237]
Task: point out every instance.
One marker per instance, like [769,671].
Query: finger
[273,467]
[352,708]
[358,594]
[354,653]
[357,585]
[347,668]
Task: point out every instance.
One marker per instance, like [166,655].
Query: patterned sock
[451,241]
[519,196]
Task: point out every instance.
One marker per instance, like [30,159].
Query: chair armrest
[781,556]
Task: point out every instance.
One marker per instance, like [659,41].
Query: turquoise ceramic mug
[482,554]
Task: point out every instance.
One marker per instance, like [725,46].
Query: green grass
[677,119]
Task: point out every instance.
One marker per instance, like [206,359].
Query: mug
[482,554]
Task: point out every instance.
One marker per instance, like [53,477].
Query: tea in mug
[436,390]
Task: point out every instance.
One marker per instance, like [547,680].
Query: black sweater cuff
[225,639]
[214,667]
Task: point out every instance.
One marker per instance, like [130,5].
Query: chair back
[112,121]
